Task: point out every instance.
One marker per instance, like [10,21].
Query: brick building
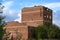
[31,18]
[37,15]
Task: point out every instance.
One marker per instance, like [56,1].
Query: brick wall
[31,17]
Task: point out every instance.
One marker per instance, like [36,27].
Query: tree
[41,32]
[53,32]
[48,32]
[2,24]
[56,32]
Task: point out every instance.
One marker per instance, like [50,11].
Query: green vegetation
[48,32]
[2,24]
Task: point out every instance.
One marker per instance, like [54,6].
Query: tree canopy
[2,24]
[48,32]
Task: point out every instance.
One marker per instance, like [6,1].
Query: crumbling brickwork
[31,17]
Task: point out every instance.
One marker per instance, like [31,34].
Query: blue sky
[12,9]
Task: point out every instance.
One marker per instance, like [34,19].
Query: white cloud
[53,5]
[20,16]
[57,22]
[10,14]
[7,6]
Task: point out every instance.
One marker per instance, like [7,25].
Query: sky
[12,9]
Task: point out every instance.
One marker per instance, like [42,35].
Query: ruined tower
[37,15]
